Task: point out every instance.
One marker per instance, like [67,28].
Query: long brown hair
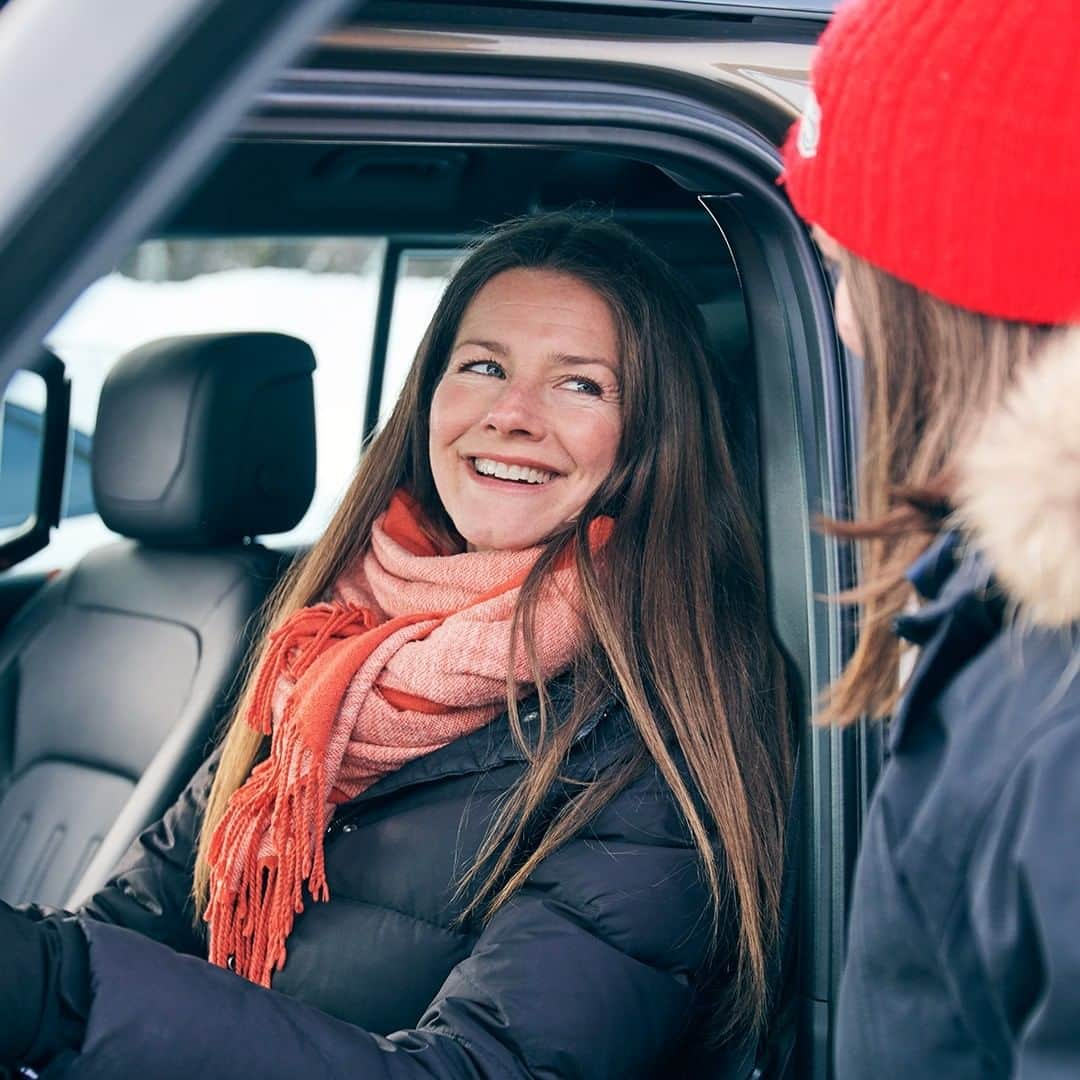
[675,615]
[932,373]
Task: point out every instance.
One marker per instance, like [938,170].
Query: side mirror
[33,452]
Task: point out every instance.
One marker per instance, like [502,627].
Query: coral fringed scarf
[411,652]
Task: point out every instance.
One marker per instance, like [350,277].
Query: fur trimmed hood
[1018,495]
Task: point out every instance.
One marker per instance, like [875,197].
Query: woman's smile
[526,420]
[516,474]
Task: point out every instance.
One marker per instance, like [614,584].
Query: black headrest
[206,439]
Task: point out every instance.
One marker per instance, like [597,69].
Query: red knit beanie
[941,143]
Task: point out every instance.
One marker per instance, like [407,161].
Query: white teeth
[499,469]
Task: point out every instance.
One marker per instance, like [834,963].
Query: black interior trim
[384,314]
[747,19]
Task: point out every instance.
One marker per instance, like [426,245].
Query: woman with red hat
[937,163]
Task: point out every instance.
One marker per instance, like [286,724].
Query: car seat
[115,675]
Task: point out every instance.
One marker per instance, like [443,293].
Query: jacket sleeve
[589,971]
[1024,896]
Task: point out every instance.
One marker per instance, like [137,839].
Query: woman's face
[846,325]
[526,419]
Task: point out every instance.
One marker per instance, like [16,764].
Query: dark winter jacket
[589,971]
[964,939]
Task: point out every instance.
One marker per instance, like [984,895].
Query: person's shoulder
[1032,818]
[1011,712]
[1018,688]
[1041,663]
[647,812]
[1054,746]
[996,668]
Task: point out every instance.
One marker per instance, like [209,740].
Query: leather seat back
[115,676]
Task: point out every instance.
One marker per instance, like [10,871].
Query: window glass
[423,275]
[322,290]
[22,443]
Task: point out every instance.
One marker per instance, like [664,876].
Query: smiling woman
[525,422]
[516,724]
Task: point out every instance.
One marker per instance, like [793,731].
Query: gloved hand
[23,980]
[44,987]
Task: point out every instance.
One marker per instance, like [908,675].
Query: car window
[423,274]
[322,290]
[20,463]
[22,443]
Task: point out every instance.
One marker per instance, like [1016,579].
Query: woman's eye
[482,367]
[583,385]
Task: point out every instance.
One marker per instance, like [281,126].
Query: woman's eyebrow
[492,346]
[565,359]
[574,359]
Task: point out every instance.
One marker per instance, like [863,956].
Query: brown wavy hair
[675,615]
[931,374]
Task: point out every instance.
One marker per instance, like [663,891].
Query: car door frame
[108,137]
[805,387]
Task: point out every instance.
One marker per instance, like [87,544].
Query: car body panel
[764,77]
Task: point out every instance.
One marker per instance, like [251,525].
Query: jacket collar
[964,609]
[605,732]
[1018,495]
[950,574]
[935,566]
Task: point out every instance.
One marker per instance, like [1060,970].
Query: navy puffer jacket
[964,939]
[591,970]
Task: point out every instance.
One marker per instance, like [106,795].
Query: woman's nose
[516,411]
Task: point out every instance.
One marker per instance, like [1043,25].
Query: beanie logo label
[809,127]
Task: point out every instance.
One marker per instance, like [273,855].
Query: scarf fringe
[251,918]
[284,799]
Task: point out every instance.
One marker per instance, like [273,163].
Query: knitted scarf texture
[410,652]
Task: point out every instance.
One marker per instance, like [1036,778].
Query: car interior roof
[436,196]
[425,194]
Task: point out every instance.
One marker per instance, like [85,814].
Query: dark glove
[23,983]
[44,987]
